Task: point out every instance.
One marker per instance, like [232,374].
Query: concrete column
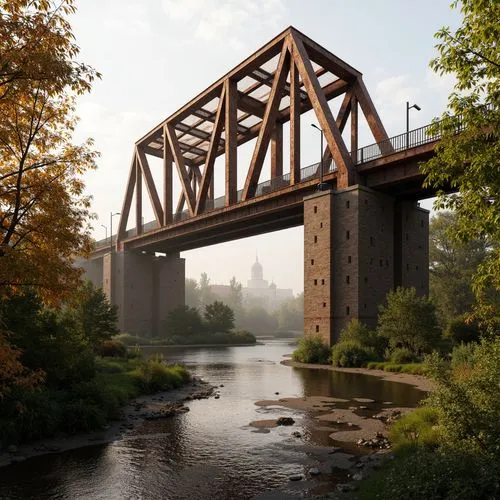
[352,248]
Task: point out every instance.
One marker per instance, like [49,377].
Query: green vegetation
[312,350]
[388,366]
[469,161]
[50,377]
[450,447]
[350,353]
[185,326]
[84,405]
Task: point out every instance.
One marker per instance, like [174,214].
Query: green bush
[351,354]
[312,350]
[462,355]
[112,349]
[402,355]
[413,368]
[358,332]
[460,330]
[423,473]
[79,416]
[416,428]
[469,401]
[154,375]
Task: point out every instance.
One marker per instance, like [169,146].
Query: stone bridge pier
[358,245]
[145,287]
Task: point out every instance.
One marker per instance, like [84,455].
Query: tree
[219,317]
[43,210]
[183,321]
[13,374]
[290,314]
[356,331]
[206,295]
[192,293]
[408,321]
[469,161]
[96,316]
[452,264]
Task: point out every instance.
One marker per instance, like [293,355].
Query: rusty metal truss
[289,76]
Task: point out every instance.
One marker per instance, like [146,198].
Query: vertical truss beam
[268,122]
[138,196]
[231,131]
[206,187]
[294,123]
[324,114]
[167,180]
[277,151]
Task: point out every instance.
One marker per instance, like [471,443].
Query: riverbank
[148,407]
[418,381]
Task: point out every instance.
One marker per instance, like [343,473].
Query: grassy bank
[229,338]
[88,405]
[388,366]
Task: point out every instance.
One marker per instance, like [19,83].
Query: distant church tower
[257,273]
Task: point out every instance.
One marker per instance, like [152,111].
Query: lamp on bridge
[105,231]
[111,215]
[408,107]
[322,186]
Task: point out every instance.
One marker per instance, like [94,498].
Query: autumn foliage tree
[44,212]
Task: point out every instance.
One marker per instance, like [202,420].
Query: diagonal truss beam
[127,202]
[342,116]
[212,153]
[150,185]
[323,113]
[181,168]
[268,123]
[371,115]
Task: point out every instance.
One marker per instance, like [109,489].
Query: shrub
[469,405]
[357,331]
[435,476]
[79,416]
[112,349]
[351,354]
[312,350]
[154,375]
[462,356]
[460,330]
[416,428]
[402,355]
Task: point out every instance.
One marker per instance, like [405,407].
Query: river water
[210,452]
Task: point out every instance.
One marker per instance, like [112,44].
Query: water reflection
[210,451]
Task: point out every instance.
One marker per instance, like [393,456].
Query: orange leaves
[12,372]
[44,213]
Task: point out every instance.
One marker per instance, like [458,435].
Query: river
[210,452]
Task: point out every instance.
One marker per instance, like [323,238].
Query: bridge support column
[144,287]
[355,244]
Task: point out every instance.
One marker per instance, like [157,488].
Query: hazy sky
[155,55]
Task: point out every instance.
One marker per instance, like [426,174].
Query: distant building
[259,291]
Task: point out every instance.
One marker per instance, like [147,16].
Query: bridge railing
[400,142]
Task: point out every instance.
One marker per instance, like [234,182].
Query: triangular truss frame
[232,112]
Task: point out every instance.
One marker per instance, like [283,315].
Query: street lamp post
[321,184]
[111,215]
[105,231]
[408,107]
